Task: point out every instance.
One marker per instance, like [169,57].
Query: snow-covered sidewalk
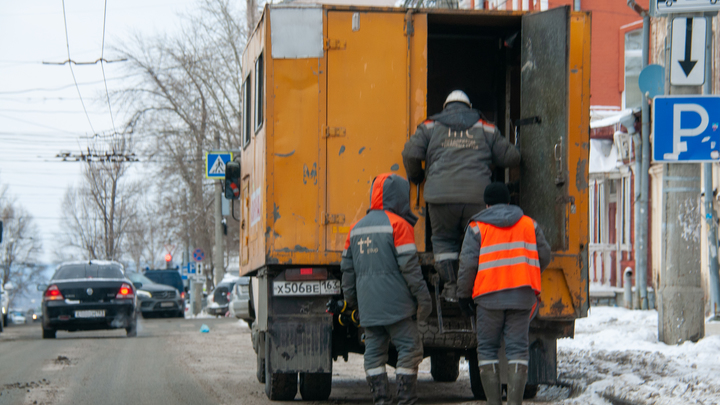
[616,355]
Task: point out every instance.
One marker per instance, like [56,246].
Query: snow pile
[616,355]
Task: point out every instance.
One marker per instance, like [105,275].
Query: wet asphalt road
[98,367]
[171,362]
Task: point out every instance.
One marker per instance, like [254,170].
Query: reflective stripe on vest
[508,257]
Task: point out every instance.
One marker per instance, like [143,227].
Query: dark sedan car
[157,299]
[89,296]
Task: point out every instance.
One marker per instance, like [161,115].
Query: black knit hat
[496,193]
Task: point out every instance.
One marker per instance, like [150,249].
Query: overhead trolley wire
[67,43]
[102,67]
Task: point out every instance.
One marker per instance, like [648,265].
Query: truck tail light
[53,294]
[182,295]
[305,274]
[125,292]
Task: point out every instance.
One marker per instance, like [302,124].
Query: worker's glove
[424,310]
[467,306]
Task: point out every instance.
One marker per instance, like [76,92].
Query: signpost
[686,6]
[686,128]
[215,164]
[687,60]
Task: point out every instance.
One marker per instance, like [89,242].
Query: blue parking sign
[685,129]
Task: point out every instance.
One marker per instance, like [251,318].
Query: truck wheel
[315,386]
[475,383]
[1,323]
[445,367]
[280,386]
[49,333]
[431,336]
[260,369]
[530,391]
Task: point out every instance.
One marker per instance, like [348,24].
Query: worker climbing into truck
[458,146]
[502,256]
[381,276]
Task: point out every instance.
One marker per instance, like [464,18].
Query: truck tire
[260,369]
[315,386]
[445,367]
[280,386]
[475,383]
[431,337]
[1,324]
[530,391]
[49,333]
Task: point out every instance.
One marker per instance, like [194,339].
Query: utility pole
[219,253]
[681,297]
[710,216]
[642,177]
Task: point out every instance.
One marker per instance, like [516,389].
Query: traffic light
[168,260]
[232,180]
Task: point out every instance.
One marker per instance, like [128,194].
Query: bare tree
[189,88]
[98,212]
[20,249]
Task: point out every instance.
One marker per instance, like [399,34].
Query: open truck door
[553,137]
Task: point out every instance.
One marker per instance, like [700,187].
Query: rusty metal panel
[544,94]
[300,344]
[293,217]
[367,95]
[253,163]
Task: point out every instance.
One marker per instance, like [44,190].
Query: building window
[247,102]
[598,214]
[632,97]
[625,202]
[259,90]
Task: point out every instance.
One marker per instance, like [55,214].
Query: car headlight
[143,294]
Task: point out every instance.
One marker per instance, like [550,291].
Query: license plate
[167,304]
[325,287]
[95,313]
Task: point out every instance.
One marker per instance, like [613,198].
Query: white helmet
[457,96]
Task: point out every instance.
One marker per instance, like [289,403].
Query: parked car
[241,301]
[219,298]
[167,277]
[157,299]
[88,296]
[17,318]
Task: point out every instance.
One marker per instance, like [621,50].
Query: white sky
[40,111]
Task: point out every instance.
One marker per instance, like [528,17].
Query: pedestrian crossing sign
[215,164]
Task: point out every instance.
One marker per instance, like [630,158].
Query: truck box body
[331,95]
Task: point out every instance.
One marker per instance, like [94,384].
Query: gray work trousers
[448,227]
[406,338]
[495,324]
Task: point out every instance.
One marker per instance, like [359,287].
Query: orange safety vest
[508,257]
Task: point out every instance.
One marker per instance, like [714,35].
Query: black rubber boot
[490,377]
[446,270]
[380,388]
[406,389]
[517,377]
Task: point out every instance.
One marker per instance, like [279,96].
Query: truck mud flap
[300,344]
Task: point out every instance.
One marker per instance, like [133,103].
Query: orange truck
[330,96]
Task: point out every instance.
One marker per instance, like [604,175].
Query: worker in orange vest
[502,256]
